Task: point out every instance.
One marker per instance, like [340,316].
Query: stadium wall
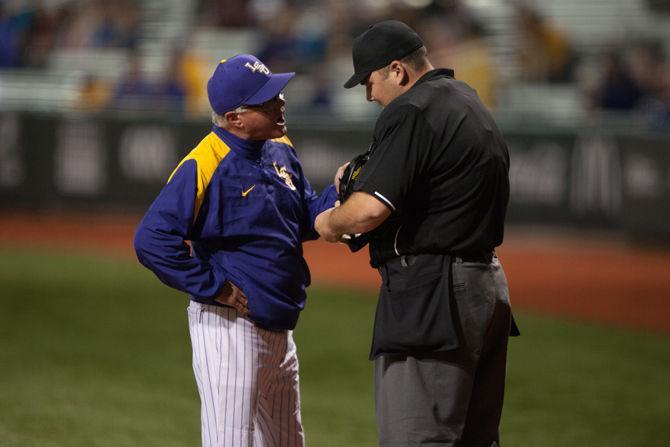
[599,176]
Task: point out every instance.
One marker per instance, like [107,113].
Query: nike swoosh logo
[244,193]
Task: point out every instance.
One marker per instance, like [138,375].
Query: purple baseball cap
[243,80]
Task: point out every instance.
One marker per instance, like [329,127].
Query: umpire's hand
[232,296]
[322,226]
[338,176]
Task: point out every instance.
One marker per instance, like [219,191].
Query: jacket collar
[250,149]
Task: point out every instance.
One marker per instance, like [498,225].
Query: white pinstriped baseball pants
[247,379]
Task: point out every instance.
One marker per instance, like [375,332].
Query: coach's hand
[232,296]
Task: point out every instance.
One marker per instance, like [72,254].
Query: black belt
[484,257]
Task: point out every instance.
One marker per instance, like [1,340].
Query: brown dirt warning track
[591,280]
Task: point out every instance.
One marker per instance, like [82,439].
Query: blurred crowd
[633,77]
[30,31]
[313,38]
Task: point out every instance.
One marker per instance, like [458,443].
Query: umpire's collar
[436,73]
[250,149]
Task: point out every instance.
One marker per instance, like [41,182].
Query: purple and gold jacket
[245,207]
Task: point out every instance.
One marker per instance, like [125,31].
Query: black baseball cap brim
[357,78]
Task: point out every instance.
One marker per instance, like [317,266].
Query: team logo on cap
[258,66]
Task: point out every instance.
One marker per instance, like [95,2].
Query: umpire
[432,198]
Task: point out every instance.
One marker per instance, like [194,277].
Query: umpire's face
[264,121]
[386,84]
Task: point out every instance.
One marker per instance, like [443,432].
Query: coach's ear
[233,120]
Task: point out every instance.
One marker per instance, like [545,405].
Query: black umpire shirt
[440,164]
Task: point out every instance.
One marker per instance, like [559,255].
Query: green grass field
[95,352]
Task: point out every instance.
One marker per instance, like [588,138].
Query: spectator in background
[134,91]
[43,34]
[82,21]
[296,38]
[463,46]
[175,92]
[321,91]
[94,94]
[10,40]
[545,53]
[190,74]
[617,89]
[29,33]
[648,66]
[312,33]
[117,26]
[103,24]
[651,71]
[229,13]
[453,13]
[657,108]
[171,92]
[280,46]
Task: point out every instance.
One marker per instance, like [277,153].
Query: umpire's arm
[360,213]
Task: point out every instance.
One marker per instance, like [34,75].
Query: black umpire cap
[379,45]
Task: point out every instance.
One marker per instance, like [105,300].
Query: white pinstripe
[247,380]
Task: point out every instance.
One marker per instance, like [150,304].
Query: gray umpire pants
[451,398]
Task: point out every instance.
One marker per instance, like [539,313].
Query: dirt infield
[602,281]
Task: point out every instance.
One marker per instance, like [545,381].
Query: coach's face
[384,85]
[264,121]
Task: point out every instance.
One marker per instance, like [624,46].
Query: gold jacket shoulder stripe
[285,139]
[207,155]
